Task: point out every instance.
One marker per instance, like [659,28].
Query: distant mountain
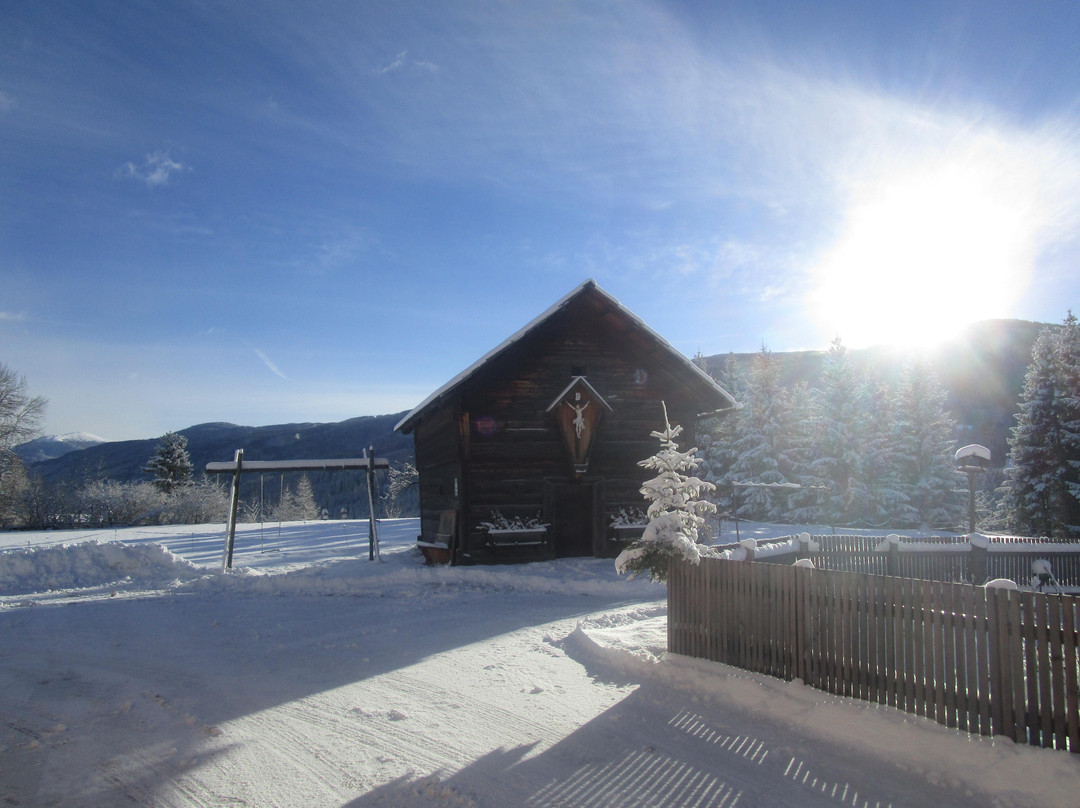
[982,370]
[124,461]
[49,446]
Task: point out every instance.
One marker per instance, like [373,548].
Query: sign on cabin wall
[578,410]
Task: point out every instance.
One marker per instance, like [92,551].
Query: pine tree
[889,500]
[925,448]
[1041,494]
[719,434]
[762,436]
[676,513]
[1067,357]
[796,454]
[298,505]
[170,465]
[840,444]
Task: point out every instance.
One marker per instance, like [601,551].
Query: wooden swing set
[369,464]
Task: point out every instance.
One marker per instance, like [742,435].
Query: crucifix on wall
[578,410]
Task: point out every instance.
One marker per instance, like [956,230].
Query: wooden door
[572,512]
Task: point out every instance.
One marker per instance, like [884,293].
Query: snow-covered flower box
[524,536]
[629,532]
[628,524]
[514,531]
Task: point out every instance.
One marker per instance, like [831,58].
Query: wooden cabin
[548,429]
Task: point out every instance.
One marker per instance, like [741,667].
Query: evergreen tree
[796,454]
[717,435]
[1041,494]
[676,513]
[889,500]
[298,505]
[840,442]
[925,449]
[170,464]
[1067,358]
[760,440]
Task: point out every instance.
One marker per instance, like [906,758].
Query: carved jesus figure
[579,417]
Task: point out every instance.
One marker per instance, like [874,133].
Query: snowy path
[346,683]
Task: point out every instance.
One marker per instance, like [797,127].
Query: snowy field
[133,673]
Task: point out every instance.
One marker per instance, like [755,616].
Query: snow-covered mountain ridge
[48,447]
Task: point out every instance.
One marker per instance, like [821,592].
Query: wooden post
[234,503]
[373,536]
[892,562]
[980,570]
[971,501]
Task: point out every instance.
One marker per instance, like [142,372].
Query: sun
[920,256]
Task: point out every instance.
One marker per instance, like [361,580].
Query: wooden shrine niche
[578,410]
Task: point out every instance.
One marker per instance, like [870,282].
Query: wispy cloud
[156,169]
[400,61]
[7,102]
[342,249]
[269,364]
[396,64]
[12,316]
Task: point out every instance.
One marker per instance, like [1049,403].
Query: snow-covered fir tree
[889,499]
[1042,486]
[717,435]
[676,513]
[761,442]
[1067,356]
[924,449]
[840,441]
[797,454]
[170,464]
[882,446]
[298,505]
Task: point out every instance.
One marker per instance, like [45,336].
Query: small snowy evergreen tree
[170,465]
[675,513]
[298,505]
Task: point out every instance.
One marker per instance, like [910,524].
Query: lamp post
[971,460]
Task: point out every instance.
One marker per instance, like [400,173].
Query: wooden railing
[988,661]
[973,559]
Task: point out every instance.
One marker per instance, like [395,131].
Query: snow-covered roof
[405,424]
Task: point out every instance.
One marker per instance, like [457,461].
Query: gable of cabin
[492,442]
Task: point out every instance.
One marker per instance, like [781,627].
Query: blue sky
[274,211]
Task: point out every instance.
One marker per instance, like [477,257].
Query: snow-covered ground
[132,674]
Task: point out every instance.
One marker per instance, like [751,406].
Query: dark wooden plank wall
[438,459]
[522,448]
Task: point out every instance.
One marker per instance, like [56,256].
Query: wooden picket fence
[988,661]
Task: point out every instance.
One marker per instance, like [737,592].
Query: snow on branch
[675,513]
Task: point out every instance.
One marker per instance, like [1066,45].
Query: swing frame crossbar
[369,464]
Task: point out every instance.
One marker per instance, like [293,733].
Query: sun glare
[919,257]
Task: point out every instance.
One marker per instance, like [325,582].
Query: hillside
[982,370]
[123,461]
